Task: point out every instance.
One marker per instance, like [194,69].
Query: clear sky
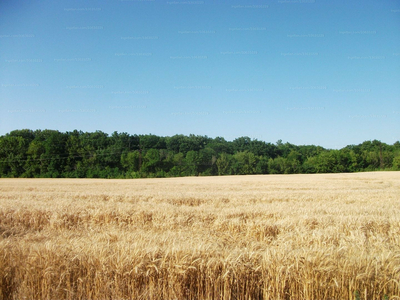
[308,72]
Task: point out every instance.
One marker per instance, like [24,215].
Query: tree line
[76,154]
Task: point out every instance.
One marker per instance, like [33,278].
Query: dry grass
[237,237]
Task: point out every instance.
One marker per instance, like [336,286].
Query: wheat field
[320,236]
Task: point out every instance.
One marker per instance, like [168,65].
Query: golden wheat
[333,236]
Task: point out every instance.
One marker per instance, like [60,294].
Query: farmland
[316,236]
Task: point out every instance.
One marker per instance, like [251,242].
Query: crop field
[322,236]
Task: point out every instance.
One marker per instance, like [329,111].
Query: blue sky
[304,71]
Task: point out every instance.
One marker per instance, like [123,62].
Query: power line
[68,156]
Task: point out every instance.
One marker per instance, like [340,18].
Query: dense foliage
[50,153]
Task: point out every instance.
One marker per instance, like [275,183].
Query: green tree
[207,162]
[151,141]
[34,164]
[262,165]
[178,162]
[241,144]
[130,161]
[244,163]
[50,153]
[27,134]
[192,163]
[223,164]
[277,165]
[151,162]
[310,165]
[220,145]
[326,162]
[396,162]
[293,162]
[12,156]
[371,160]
